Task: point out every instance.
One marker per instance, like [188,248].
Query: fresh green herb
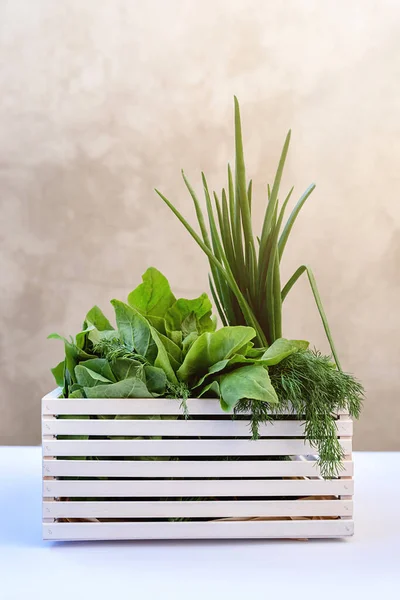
[245,276]
[308,383]
[261,412]
[181,392]
[112,349]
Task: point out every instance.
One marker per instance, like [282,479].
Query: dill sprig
[309,385]
[180,391]
[112,349]
[260,413]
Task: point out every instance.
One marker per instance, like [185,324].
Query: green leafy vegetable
[210,348]
[101,366]
[153,297]
[134,330]
[251,382]
[88,378]
[190,316]
[156,380]
[126,368]
[282,348]
[58,373]
[211,390]
[97,319]
[127,388]
[245,278]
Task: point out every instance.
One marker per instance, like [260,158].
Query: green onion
[245,278]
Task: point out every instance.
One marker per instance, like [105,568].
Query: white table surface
[221,570]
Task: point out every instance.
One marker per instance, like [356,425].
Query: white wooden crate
[212,480]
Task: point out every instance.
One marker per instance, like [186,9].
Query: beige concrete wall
[100,101]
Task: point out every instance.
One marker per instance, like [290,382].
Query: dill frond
[260,413]
[180,391]
[309,384]
[112,349]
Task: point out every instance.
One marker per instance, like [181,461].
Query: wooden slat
[152,427]
[255,508]
[197,488]
[182,468]
[217,447]
[129,406]
[199,530]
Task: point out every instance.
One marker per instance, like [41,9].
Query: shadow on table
[168,544]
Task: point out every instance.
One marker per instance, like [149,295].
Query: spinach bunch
[167,347]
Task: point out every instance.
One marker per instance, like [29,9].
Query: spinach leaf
[162,359]
[224,365]
[211,390]
[282,348]
[173,350]
[210,348]
[133,387]
[157,322]
[58,373]
[100,366]
[251,382]
[78,393]
[125,368]
[73,355]
[75,387]
[88,378]
[82,340]
[97,319]
[190,316]
[134,330]
[156,380]
[137,334]
[188,342]
[153,296]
